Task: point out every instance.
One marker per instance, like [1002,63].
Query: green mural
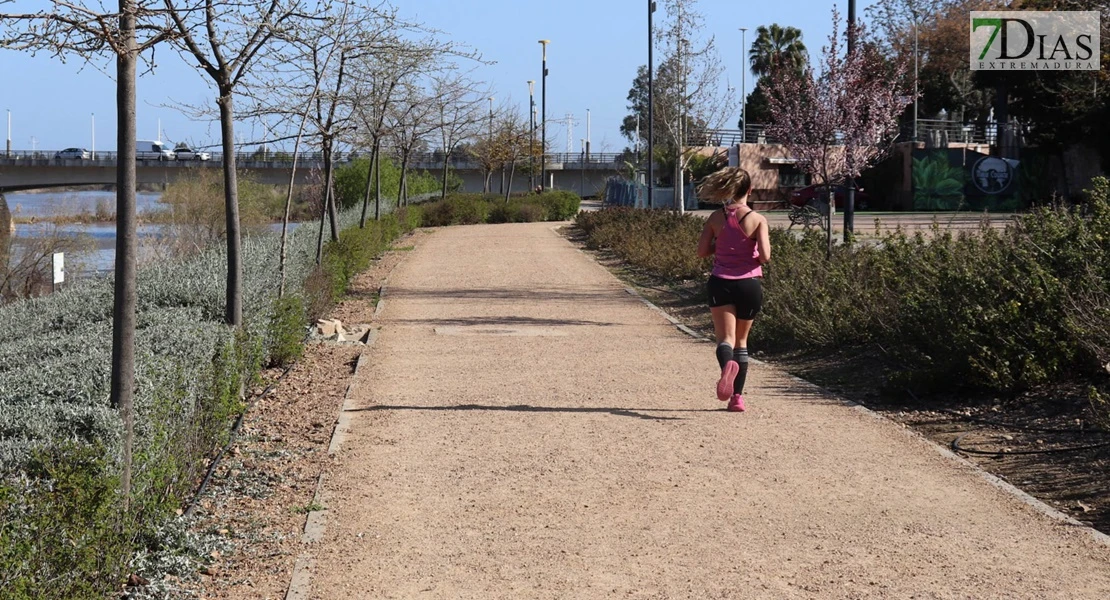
[937,185]
[959,179]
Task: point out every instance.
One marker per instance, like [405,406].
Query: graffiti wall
[958,179]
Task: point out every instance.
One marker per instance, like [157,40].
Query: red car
[819,193]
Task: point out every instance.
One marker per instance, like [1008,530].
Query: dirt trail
[524,428]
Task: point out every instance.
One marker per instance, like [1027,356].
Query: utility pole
[587,145]
[531,135]
[543,117]
[850,209]
[743,84]
[651,108]
[582,169]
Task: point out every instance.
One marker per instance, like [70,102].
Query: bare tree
[840,121]
[696,85]
[378,83]
[458,105]
[72,28]
[224,39]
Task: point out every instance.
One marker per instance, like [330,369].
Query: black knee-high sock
[740,355]
[724,354]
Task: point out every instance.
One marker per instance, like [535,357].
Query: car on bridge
[152,150]
[183,152]
[72,154]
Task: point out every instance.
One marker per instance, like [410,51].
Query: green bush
[990,309]
[470,209]
[59,439]
[350,181]
[287,328]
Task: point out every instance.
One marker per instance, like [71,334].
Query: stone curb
[300,583]
[990,478]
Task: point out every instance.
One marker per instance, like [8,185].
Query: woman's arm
[764,241]
[705,243]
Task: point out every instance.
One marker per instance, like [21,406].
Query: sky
[596,47]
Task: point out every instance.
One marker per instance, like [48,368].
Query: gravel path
[524,428]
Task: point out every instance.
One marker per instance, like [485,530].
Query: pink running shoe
[736,403]
[728,377]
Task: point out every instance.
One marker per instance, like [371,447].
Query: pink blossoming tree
[844,119]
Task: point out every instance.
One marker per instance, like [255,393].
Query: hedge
[63,530]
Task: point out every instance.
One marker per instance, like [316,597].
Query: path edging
[300,582]
[994,480]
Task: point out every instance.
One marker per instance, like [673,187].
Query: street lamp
[743,84]
[651,107]
[532,135]
[9,151]
[543,118]
[915,59]
[489,150]
[850,208]
[93,154]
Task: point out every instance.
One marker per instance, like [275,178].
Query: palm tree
[775,47]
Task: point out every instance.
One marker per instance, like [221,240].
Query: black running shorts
[746,295]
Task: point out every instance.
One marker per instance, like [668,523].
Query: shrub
[994,310]
[59,440]
[469,209]
[287,329]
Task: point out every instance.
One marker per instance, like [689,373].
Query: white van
[151,150]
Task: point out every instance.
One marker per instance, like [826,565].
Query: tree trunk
[233,315]
[378,182]
[288,205]
[488,182]
[369,185]
[402,193]
[329,194]
[509,188]
[446,163]
[6,229]
[124,300]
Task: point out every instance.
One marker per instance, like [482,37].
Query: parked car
[185,153]
[820,193]
[73,153]
[152,150]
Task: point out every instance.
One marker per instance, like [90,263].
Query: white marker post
[59,260]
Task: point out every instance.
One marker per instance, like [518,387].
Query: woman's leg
[740,353]
[724,325]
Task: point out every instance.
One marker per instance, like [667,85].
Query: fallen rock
[329,327]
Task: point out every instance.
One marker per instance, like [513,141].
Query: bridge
[25,170]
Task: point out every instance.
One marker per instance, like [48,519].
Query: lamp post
[531,134]
[743,84]
[915,59]
[582,169]
[651,107]
[543,118]
[93,154]
[489,150]
[850,208]
[9,150]
[586,147]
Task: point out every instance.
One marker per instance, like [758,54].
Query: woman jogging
[737,238]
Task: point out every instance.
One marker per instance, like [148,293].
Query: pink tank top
[737,255]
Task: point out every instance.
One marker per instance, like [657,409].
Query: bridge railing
[314,158]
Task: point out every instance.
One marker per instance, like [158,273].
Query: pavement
[523,427]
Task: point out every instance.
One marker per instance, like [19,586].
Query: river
[40,207]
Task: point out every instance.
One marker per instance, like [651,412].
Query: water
[36,206]
[54,204]
[101,256]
